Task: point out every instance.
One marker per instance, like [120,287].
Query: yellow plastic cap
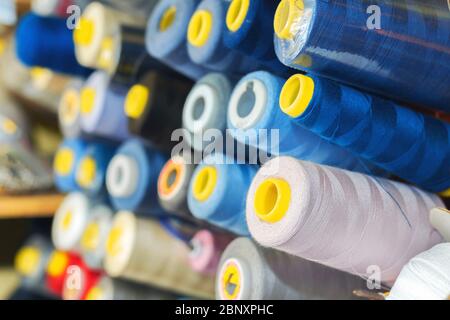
[231,281]
[167,18]
[91,236]
[9,127]
[106,58]
[286,15]
[236,14]
[296,95]
[199,28]
[70,105]
[84,32]
[86,172]
[272,200]
[94,294]
[445,194]
[113,247]
[87,100]
[205,183]
[136,101]
[67,220]
[64,161]
[27,260]
[57,263]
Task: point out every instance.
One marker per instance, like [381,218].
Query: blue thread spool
[205,41]
[217,192]
[411,145]
[254,108]
[102,112]
[249,26]
[47,42]
[132,178]
[66,161]
[166,36]
[407,59]
[91,170]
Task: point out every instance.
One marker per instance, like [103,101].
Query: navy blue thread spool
[217,192]
[408,144]
[166,36]
[153,107]
[91,170]
[254,109]
[249,24]
[132,177]
[66,162]
[47,42]
[102,112]
[205,41]
[407,59]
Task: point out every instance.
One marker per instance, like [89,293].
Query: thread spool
[141,250]
[79,280]
[207,249]
[440,220]
[216,192]
[98,23]
[69,110]
[166,36]
[411,44]
[91,169]
[66,161]
[205,41]
[250,272]
[102,111]
[406,143]
[70,221]
[425,277]
[56,270]
[11,133]
[249,24]
[31,262]
[131,178]
[47,42]
[95,234]
[51,7]
[254,108]
[205,108]
[342,219]
[154,106]
[116,289]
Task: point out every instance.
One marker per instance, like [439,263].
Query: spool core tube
[272,200]
[87,100]
[69,106]
[205,183]
[122,176]
[136,101]
[199,29]
[231,284]
[86,172]
[64,162]
[168,18]
[296,95]
[286,16]
[27,260]
[171,178]
[236,14]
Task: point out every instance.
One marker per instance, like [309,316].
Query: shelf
[29,206]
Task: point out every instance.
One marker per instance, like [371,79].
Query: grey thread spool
[95,234]
[248,271]
[116,289]
[142,250]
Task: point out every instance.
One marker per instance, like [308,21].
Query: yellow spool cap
[86,172]
[445,194]
[136,101]
[105,60]
[9,127]
[67,220]
[87,100]
[231,281]
[272,200]
[91,236]
[113,246]
[167,18]
[57,263]
[296,95]
[286,15]
[84,32]
[94,294]
[2,45]
[204,184]
[236,14]
[199,28]
[27,260]
[64,161]
[70,105]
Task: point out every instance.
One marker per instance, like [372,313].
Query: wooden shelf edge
[29,206]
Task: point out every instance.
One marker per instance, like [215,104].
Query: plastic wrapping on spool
[142,251]
[250,272]
[387,47]
[345,220]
